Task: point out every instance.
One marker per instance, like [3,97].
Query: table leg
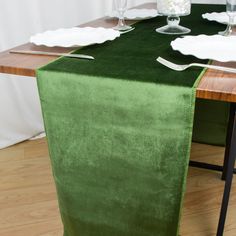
[227,169]
[228,138]
[223,168]
[230,162]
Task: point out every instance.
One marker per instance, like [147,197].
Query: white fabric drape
[20,113]
[20,116]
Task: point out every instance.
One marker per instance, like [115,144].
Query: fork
[177,67]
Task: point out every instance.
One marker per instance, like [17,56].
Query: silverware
[81,56]
[126,31]
[184,67]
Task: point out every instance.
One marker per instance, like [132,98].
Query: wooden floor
[28,205]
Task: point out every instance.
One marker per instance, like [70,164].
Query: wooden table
[214,85]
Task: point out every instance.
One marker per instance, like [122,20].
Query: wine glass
[121,6]
[231,12]
[173,9]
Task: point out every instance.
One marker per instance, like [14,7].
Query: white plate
[214,47]
[136,14]
[220,17]
[72,37]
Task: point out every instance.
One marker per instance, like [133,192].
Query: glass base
[173,30]
[229,31]
[173,27]
[122,28]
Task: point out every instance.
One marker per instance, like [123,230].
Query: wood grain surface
[28,200]
[214,85]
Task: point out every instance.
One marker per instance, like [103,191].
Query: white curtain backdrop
[20,113]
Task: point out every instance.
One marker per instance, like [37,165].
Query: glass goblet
[173,9]
[231,12]
[121,6]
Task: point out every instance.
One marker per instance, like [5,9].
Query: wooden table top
[214,85]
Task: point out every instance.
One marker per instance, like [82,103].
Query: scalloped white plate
[136,14]
[220,17]
[215,47]
[72,37]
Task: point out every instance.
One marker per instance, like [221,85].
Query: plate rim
[210,13]
[224,59]
[33,38]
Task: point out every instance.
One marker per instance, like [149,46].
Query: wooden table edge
[205,89]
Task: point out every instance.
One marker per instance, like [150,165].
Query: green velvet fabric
[210,122]
[119,131]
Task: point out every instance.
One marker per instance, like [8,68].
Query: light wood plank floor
[28,205]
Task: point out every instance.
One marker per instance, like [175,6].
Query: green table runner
[119,131]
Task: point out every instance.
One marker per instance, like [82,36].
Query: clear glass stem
[231,20]
[121,22]
[173,21]
[230,30]
[231,23]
